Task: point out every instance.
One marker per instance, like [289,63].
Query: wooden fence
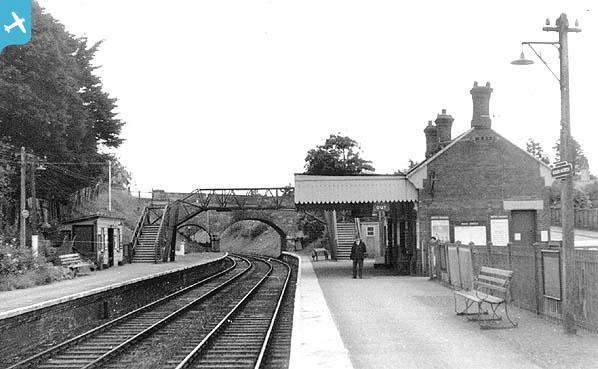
[584,218]
[536,283]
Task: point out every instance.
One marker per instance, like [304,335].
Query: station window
[370,231]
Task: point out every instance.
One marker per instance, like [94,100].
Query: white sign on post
[34,245]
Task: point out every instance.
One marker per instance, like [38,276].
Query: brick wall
[470,181]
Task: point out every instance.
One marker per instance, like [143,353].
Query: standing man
[358,251]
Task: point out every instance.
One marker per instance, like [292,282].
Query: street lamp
[567,154]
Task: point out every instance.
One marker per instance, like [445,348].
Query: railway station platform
[390,321]
[17,302]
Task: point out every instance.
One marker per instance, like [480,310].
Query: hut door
[524,227]
[110,246]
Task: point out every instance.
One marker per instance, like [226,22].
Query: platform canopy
[338,190]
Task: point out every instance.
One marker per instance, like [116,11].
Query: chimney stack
[481,106]
[444,123]
[431,133]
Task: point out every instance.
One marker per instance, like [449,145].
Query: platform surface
[389,321]
[20,301]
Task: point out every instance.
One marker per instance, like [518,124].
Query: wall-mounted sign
[381,206]
[562,170]
[440,229]
[499,231]
[471,233]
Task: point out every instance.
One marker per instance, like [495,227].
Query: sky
[223,94]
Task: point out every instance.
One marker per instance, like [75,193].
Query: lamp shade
[522,60]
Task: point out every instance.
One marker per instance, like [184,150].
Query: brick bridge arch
[215,223]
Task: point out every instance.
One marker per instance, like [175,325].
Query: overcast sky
[234,93]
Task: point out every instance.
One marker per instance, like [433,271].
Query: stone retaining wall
[32,332]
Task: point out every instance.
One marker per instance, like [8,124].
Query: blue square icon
[15,22]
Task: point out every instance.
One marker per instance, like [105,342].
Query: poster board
[499,231]
[471,233]
[440,229]
[551,262]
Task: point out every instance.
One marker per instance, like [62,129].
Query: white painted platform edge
[315,340]
[26,309]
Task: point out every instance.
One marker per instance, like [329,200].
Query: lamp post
[567,153]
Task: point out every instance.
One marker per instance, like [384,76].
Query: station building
[475,188]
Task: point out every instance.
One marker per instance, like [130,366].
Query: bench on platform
[319,251]
[75,263]
[490,287]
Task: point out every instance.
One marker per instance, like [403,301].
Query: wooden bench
[490,287]
[319,251]
[75,263]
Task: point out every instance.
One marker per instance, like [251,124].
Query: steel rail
[75,340]
[97,362]
[188,360]
[258,363]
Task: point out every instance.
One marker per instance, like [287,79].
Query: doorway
[523,227]
[110,247]
[370,233]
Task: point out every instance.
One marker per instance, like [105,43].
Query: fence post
[537,247]
[489,252]
[510,255]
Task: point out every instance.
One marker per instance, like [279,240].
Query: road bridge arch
[272,206]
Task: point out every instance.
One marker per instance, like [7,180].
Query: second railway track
[187,328]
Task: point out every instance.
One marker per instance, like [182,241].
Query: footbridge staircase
[145,235]
[155,235]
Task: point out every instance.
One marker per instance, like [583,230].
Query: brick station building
[477,187]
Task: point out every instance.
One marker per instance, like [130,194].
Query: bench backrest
[493,281]
[70,258]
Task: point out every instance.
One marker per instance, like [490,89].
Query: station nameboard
[562,170]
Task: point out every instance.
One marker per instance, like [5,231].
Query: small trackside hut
[380,208]
[97,238]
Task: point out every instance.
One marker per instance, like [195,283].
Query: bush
[20,269]
[258,229]
[311,228]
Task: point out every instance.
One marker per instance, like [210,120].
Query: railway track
[187,328]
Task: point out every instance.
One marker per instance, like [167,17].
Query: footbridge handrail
[138,227]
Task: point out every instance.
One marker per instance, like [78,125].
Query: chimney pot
[431,133]
[481,106]
[444,123]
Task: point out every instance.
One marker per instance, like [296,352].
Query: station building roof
[316,189]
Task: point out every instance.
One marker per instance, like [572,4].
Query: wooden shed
[97,237]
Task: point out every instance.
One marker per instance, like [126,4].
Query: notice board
[551,269]
[467,234]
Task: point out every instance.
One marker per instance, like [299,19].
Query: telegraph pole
[109,185]
[33,200]
[23,233]
[567,153]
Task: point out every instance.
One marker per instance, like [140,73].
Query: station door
[523,227]
[370,232]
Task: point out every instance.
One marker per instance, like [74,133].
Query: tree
[581,161]
[53,104]
[339,155]
[536,150]
[410,165]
